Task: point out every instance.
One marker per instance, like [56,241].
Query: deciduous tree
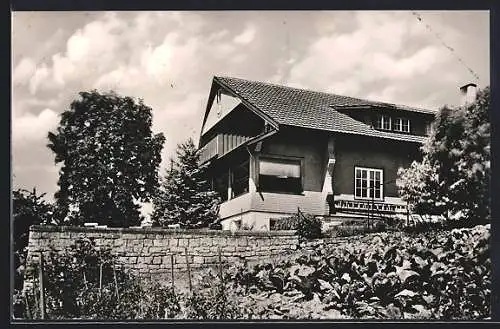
[109,157]
[28,208]
[454,175]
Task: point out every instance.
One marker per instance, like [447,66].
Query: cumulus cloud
[168,59]
[90,49]
[30,127]
[246,36]
[375,51]
[39,78]
[23,71]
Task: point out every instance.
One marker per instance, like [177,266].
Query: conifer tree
[185,196]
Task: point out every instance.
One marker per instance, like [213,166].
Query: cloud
[90,49]
[354,61]
[246,36]
[23,71]
[29,127]
[39,78]
[171,59]
[168,59]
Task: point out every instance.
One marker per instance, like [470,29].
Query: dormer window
[402,124]
[383,122]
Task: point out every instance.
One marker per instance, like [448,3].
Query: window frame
[399,121]
[383,118]
[369,187]
[271,157]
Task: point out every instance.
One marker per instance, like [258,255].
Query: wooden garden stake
[188,270]
[28,310]
[42,294]
[100,279]
[220,264]
[221,278]
[172,270]
[116,283]
[37,304]
[85,280]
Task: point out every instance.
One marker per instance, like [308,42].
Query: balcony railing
[364,206]
[220,145]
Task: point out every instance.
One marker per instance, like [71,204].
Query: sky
[169,59]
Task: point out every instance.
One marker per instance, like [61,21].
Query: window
[384,122]
[368,183]
[402,124]
[239,179]
[428,128]
[280,175]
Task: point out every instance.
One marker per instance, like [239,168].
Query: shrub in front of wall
[309,227]
[286,223]
[306,226]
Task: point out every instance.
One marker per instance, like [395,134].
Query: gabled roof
[311,109]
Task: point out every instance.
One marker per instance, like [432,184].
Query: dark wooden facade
[321,165]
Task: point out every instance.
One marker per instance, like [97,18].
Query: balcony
[220,145]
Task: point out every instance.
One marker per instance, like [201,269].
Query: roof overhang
[382,107]
[216,85]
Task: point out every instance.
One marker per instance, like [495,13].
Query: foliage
[109,159]
[309,227]
[440,275]
[443,275]
[185,197]
[213,297]
[286,223]
[454,175]
[350,228]
[28,209]
[75,288]
[211,304]
[306,226]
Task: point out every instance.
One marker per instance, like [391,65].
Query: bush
[307,226]
[286,223]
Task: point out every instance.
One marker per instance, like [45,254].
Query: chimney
[468,93]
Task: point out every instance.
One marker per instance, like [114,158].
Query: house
[271,150]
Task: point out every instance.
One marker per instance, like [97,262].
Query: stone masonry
[148,250]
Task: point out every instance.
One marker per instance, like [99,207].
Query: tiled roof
[311,109]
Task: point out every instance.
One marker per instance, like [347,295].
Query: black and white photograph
[250,165]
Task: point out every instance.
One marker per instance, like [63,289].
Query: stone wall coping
[157,230]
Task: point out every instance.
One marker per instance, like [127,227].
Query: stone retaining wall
[148,250]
